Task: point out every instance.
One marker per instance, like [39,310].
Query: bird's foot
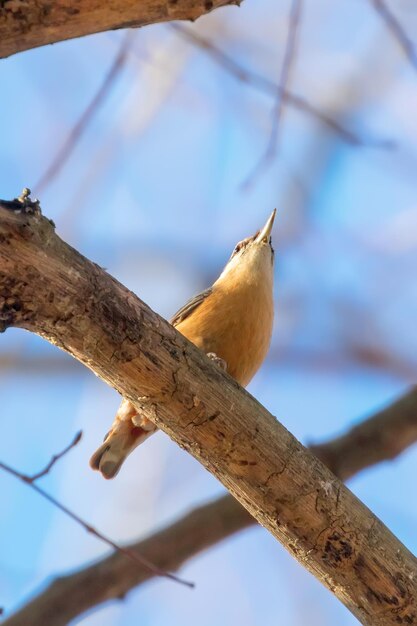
[217,360]
[122,439]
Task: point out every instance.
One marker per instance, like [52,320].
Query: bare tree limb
[380,437]
[49,288]
[70,596]
[394,26]
[86,116]
[287,63]
[25,25]
[260,82]
[135,556]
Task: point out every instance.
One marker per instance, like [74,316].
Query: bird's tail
[118,444]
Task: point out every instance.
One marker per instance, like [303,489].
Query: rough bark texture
[49,288]
[25,24]
[112,577]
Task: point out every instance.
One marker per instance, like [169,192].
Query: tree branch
[278,110]
[134,555]
[53,460]
[380,437]
[139,559]
[50,289]
[263,84]
[87,115]
[25,25]
[398,32]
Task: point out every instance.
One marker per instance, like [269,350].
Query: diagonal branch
[383,436]
[134,556]
[260,82]
[35,24]
[54,459]
[48,288]
[394,26]
[86,116]
[379,438]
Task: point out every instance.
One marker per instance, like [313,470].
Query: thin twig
[86,116]
[261,83]
[295,15]
[133,555]
[54,459]
[397,30]
[289,55]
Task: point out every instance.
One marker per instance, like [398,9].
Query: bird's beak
[265,233]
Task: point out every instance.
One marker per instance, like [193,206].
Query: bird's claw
[217,360]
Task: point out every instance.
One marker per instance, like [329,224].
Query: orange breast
[235,324]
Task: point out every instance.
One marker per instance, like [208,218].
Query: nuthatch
[231,322]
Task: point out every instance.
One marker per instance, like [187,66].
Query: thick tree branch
[49,288]
[381,437]
[25,25]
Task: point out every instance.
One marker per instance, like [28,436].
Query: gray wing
[190,306]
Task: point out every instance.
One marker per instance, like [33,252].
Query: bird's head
[253,256]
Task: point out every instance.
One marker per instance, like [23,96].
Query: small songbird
[231,322]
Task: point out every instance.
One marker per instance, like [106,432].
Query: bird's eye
[241,245]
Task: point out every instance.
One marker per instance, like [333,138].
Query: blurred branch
[288,62]
[48,288]
[135,556]
[87,115]
[111,578]
[257,81]
[44,22]
[381,437]
[397,30]
[349,354]
[39,364]
[289,54]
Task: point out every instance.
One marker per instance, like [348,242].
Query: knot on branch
[16,226]
[23,204]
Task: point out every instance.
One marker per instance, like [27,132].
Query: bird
[231,322]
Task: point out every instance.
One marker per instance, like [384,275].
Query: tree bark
[114,576]
[48,288]
[25,25]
